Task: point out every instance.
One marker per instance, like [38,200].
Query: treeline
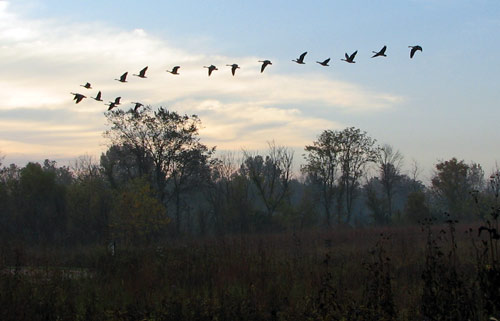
[158,180]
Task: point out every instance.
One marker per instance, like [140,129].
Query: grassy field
[428,272]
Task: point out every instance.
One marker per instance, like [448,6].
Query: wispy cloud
[250,125]
[44,60]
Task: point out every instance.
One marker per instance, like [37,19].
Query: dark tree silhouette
[389,163]
[337,162]
[322,167]
[453,183]
[170,142]
[270,175]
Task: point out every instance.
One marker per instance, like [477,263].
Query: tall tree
[355,152]
[452,183]
[336,162]
[322,166]
[270,175]
[89,202]
[120,164]
[42,204]
[389,164]
[218,191]
[170,143]
[415,172]
[375,202]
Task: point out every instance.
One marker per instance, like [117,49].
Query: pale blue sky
[441,104]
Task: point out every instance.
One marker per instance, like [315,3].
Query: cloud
[44,60]
[249,125]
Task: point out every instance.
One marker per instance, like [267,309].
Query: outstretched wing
[79,98]
[264,65]
[412,52]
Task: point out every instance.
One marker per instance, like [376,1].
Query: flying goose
[174,70]
[324,63]
[87,85]
[210,69]
[142,73]
[414,49]
[264,64]
[233,68]
[98,97]
[137,105]
[123,78]
[350,59]
[380,53]
[111,105]
[300,60]
[78,97]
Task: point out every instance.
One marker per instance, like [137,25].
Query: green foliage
[416,209]
[89,206]
[453,182]
[41,203]
[138,216]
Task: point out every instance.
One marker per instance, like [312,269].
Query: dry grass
[340,274]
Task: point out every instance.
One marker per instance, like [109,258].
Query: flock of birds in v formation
[175,71]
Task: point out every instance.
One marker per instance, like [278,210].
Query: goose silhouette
[137,105]
[78,97]
[414,50]
[142,73]
[123,78]
[233,68]
[380,53]
[264,64]
[174,71]
[98,97]
[300,60]
[111,105]
[324,63]
[210,69]
[350,59]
